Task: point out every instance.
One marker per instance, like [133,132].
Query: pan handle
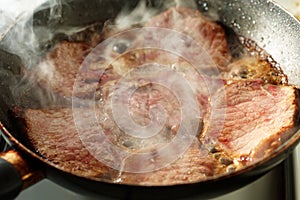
[16,174]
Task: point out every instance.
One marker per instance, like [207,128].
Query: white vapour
[16,28]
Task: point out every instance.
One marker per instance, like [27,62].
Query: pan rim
[284,149]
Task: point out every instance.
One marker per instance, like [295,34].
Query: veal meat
[54,135]
[194,165]
[243,134]
[208,34]
[200,84]
[59,69]
[256,118]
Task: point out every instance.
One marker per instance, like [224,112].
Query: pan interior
[247,18]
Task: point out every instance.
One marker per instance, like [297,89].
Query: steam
[140,15]
[55,10]
[18,37]
[21,36]
[16,28]
[13,8]
[143,13]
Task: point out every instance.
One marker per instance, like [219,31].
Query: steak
[242,136]
[202,85]
[54,135]
[208,34]
[257,119]
[194,165]
[59,69]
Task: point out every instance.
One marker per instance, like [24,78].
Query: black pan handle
[16,174]
[10,180]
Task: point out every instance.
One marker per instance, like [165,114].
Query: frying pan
[262,21]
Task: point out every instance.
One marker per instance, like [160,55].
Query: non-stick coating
[268,25]
[260,20]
